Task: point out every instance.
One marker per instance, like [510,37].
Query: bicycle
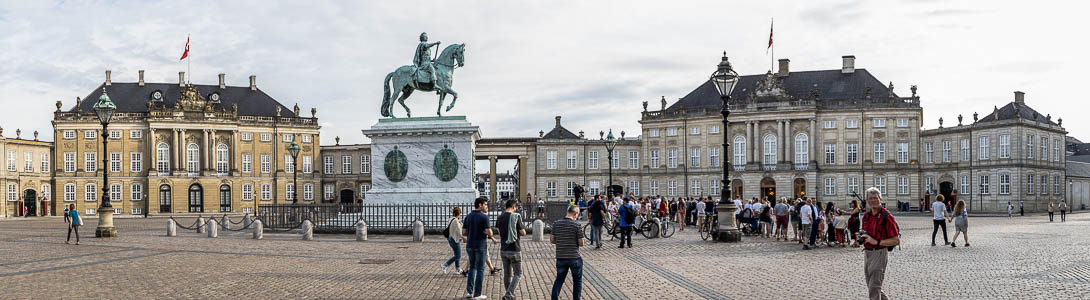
[607,229]
[665,228]
[711,228]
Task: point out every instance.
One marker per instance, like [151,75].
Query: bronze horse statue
[406,79]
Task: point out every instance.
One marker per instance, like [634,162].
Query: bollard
[225,222]
[200,224]
[418,231]
[247,220]
[258,230]
[213,230]
[172,228]
[308,230]
[361,231]
[539,231]
[657,230]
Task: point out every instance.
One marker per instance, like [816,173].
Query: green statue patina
[424,74]
[446,164]
[396,165]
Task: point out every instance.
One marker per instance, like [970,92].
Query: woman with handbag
[853,223]
[454,238]
[961,223]
[76,222]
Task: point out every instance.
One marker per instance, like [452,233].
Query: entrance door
[347,196]
[30,200]
[800,188]
[768,188]
[164,199]
[736,188]
[225,198]
[196,198]
[945,189]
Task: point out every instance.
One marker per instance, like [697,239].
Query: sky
[592,62]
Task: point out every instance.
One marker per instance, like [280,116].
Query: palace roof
[132,97]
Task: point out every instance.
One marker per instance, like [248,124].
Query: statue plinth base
[105,223]
[420,140]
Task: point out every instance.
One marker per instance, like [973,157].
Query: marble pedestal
[421,139]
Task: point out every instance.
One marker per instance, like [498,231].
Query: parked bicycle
[710,228]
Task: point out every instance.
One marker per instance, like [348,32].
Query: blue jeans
[562,266]
[457,259]
[596,234]
[476,271]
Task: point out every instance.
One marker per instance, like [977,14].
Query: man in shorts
[700,214]
[781,219]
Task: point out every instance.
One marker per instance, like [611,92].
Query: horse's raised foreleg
[405,94]
[452,101]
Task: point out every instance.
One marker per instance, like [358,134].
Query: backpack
[629,216]
[446,230]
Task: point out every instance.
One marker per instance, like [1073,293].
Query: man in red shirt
[879,232]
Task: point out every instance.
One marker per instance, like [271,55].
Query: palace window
[1044,148]
[902,185]
[713,129]
[266,192]
[902,153]
[946,151]
[308,192]
[162,158]
[852,124]
[965,150]
[193,159]
[115,134]
[671,158]
[694,188]
[830,154]
[880,153]
[136,162]
[830,124]
[770,150]
[880,182]
[69,192]
[570,189]
[1030,184]
[802,149]
[550,189]
[115,192]
[221,159]
[713,156]
[308,164]
[346,164]
[90,134]
[929,152]
[984,147]
[327,164]
[694,157]
[853,153]
[694,130]
[247,136]
[672,131]
[1004,184]
[652,133]
[654,154]
[830,186]
[69,162]
[571,160]
[1005,146]
[550,160]
[247,163]
[135,134]
[879,123]
[289,164]
[266,137]
[136,192]
[266,163]
[902,123]
[671,188]
[853,185]
[115,162]
[90,192]
[1029,146]
[90,161]
[69,134]
[592,160]
[654,186]
[984,182]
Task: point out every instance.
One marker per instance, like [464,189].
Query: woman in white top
[454,230]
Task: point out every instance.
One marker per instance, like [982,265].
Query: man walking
[879,233]
[781,219]
[1063,211]
[474,231]
[1021,208]
[628,217]
[806,216]
[568,237]
[597,212]
[938,208]
[511,230]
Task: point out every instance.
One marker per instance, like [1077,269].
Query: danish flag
[186,53]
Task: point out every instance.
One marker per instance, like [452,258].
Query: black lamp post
[725,79]
[294,150]
[611,143]
[105,110]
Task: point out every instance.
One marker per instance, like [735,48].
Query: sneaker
[952,245]
[947,243]
[597,248]
[481,297]
[966,244]
[494,271]
[464,274]
[622,247]
[444,268]
[932,244]
[469,296]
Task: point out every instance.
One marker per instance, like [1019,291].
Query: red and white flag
[186,53]
[766,49]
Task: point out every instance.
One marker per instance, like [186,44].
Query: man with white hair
[880,234]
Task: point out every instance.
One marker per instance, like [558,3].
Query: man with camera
[879,235]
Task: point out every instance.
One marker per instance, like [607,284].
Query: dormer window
[215,97]
[157,95]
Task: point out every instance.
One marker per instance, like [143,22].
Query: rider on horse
[423,58]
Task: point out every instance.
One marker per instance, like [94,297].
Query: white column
[783,141]
[235,150]
[789,144]
[812,139]
[177,148]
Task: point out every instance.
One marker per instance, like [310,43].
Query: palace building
[26,175]
[182,147]
[346,172]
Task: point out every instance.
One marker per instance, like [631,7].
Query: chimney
[222,83]
[785,69]
[108,78]
[849,64]
[1020,97]
[181,78]
[253,82]
[557,121]
[141,82]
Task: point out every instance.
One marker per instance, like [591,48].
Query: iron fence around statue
[390,218]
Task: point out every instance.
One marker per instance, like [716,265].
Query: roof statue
[425,74]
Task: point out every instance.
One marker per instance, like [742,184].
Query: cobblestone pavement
[1023,258]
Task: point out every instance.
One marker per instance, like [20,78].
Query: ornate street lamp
[294,150]
[611,143]
[105,110]
[725,79]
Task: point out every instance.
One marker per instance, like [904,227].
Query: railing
[769,166]
[396,218]
[738,168]
[802,166]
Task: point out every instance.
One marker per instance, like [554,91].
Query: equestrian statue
[425,74]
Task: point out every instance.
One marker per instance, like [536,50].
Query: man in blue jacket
[627,213]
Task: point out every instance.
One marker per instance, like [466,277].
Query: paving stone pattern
[1022,258]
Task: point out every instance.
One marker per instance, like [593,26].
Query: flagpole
[772,59]
[188,62]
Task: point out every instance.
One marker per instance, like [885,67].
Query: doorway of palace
[196,198]
[225,198]
[946,189]
[164,198]
[347,196]
[768,188]
[736,188]
[30,200]
[800,188]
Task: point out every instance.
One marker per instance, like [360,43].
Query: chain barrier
[196,224]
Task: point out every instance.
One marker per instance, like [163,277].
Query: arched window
[162,158]
[740,151]
[196,198]
[193,159]
[164,198]
[221,159]
[225,197]
[770,155]
[802,149]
